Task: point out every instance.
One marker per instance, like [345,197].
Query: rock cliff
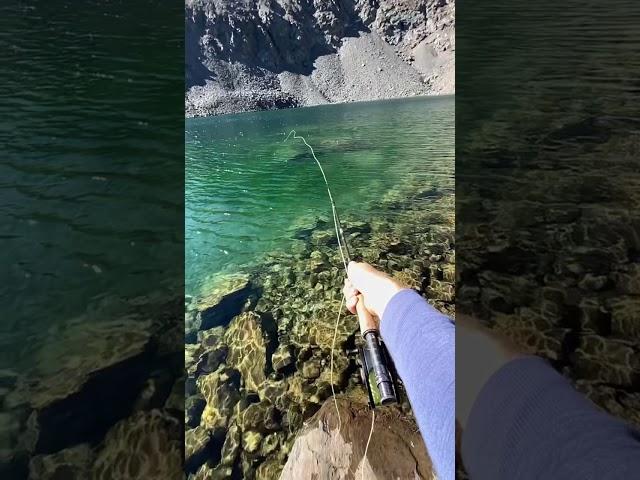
[264,54]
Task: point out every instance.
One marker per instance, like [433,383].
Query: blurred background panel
[91,201]
[547,218]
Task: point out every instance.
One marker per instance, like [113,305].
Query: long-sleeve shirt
[527,422]
[421,342]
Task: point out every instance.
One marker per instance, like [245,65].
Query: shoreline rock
[321,451]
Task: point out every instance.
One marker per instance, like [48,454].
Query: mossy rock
[269,469]
[271,443]
[231,446]
[272,389]
[221,392]
[251,441]
[147,445]
[319,328]
[248,344]
[624,317]
[208,472]
[196,446]
[261,417]
[71,463]
[607,360]
[282,358]
[311,368]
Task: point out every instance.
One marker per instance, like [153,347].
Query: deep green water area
[248,191]
[91,172]
[91,237]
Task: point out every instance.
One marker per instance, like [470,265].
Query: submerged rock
[196,445]
[101,364]
[271,443]
[193,408]
[71,463]
[282,358]
[221,392]
[221,302]
[146,445]
[248,340]
[269,469]
[261,417]
[207,472]
[311,369]
[251,441]
[231,445]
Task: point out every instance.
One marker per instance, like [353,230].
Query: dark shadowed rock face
[263,54]
[264,33]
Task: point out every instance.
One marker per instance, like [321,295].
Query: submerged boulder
[261,417]
[249,340]
[71,463]
[222,300]
[221,392]
[207,472]
[146,445]
[196,448]
[282,358]
[85,380]
[231,446]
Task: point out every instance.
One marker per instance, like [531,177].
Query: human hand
[375,287]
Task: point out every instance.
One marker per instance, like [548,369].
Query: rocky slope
[265,54]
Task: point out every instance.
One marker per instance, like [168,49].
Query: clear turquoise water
[247,189]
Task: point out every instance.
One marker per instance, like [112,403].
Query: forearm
[421,342]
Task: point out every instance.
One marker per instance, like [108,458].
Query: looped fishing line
[341,247]
[334,211]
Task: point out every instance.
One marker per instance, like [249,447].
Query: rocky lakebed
[103,397]
[258,353]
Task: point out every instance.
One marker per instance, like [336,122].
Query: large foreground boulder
[323,452]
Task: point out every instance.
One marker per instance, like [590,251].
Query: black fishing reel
[375,373]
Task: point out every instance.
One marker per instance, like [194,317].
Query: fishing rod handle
[380,368]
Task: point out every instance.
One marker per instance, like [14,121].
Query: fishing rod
[374,359]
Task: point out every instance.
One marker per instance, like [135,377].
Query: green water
[248,191]
[91,175]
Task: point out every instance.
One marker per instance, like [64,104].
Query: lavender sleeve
[421,342]
[528,422]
